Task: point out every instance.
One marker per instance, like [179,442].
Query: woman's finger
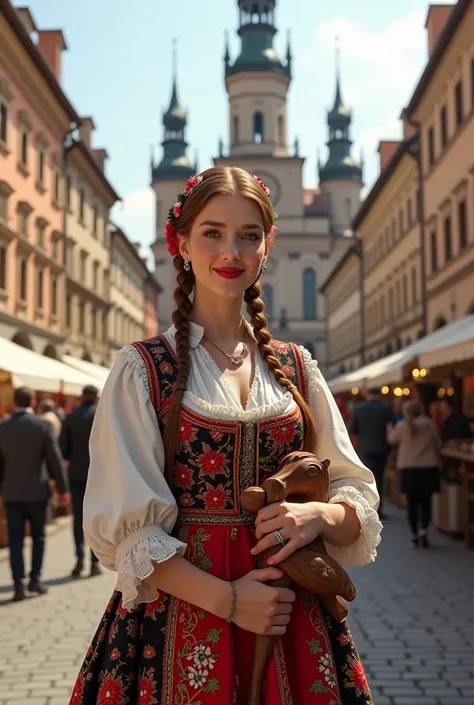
[286,551]
[280,620]
[284,608]
[268,512]
[266,542]
[269,526]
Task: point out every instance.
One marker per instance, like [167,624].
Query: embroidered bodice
[130,513]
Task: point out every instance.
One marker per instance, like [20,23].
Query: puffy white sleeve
[351,482]
[129,510]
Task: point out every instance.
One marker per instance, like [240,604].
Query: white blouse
[129,510]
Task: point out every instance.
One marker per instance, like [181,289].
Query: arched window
[235,129]
[309,294]
[268,299]
[281,136]
[258,128]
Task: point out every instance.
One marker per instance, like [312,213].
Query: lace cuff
[136,555]
[364,550]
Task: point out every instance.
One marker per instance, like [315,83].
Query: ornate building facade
[312,221]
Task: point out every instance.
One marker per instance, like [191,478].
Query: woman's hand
[260,608]
[298,524]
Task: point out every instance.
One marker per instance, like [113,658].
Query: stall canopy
[391,369]
[30,369]
[455,348]
[97,373]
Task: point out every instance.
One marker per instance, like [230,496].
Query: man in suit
[29,458]
[74,444]
[369,425]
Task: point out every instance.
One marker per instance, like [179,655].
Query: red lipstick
[229,272]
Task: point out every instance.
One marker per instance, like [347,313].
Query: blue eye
[253,236]
[211,233]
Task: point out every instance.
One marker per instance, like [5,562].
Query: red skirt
[170,652]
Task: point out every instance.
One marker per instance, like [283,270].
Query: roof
[450,28]
[118,232]
[16,24]
[352,251]
[81,147]
[383,179]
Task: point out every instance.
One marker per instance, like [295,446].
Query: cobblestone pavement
[413,620]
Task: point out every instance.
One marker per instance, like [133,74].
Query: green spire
[174,164]
[256,31]
[340,164]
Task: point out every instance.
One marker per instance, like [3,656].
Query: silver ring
[279,537]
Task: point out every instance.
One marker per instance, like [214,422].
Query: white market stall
[97,373]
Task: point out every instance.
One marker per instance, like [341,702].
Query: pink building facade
[35,116]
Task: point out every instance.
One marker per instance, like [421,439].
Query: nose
[231,250]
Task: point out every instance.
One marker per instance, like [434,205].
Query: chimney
[27,19]
[100,156]
[86,129]
[51,44]
[386,150]
[435,22]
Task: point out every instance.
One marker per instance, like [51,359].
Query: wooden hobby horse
[302,477]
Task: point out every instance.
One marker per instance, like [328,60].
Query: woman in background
[418,461]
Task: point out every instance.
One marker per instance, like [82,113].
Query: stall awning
[391,369]
[453,348]
[98,373]
[30,369]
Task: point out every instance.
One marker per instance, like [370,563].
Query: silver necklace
[235,359]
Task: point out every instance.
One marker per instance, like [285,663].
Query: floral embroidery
[184,476]
[187,434]
[283,434]
[115,654]
[78,692]
[211,462]
[111,691]
[158,605]
[356,677]
[147,688]
[149,651]
[215,497]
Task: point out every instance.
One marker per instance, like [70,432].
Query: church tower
[257,84]
[168,177]
[340,178]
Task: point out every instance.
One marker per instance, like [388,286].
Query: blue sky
[118,69]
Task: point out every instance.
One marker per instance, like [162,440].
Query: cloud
[136,216]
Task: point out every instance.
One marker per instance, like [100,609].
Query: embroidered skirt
[169,652]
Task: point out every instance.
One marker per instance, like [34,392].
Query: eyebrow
[217,224]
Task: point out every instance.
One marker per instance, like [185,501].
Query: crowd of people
[415,436]
[42,450]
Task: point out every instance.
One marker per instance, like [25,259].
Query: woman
[418,461]
[186,422]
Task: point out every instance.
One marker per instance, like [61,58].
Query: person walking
[29,458]
[418,461]
[46,411]
[74,444]
[368,424]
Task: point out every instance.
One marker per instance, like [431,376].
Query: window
[448,245]
[458,103]
[24,148]
[434,251]
[409,213]
[268,299]
[40,228]
[382,310]
[68,190]
[444,126]
[104,327]
[23,279]
[414,286]
[54,297]
[390,304]
[94,221]
[3,123]
[82,201]
[398,300]
[405,292]
[55,244]
[431,146]
[3,206]
[394,231]
[401,224]
[235,129]
[472,83]
[94,323]
[258,135]
[281,130]
[57,183]
[40,173]
[39,289]
[81,317]
[309,294]
[95,277]
[462,220]
[3,267]
[68,311]
[83,257]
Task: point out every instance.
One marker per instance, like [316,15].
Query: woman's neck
[222,321]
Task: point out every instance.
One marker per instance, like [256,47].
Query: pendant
[236,359]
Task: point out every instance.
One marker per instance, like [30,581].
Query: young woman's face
[226,246]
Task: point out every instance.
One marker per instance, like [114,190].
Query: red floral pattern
[189,653]
[184,476]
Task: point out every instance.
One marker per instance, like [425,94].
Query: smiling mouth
[229,272]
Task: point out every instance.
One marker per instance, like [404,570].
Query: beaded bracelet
[234,601]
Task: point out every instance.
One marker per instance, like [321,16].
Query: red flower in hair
[265,189]
[192,183]
[171,235]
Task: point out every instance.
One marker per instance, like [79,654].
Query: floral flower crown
[171,230]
